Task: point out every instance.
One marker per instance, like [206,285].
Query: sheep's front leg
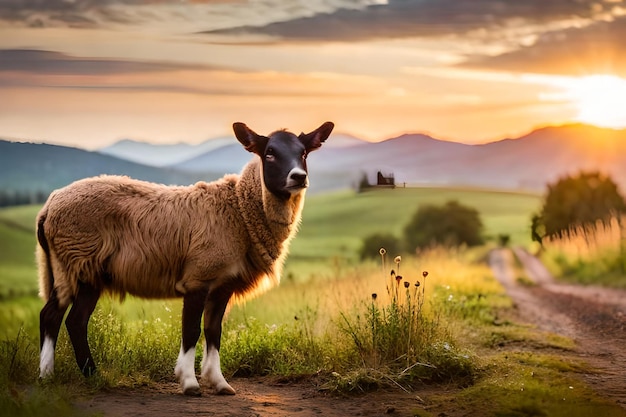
[193,305]
[216,303]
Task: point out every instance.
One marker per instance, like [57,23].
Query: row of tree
[10,197]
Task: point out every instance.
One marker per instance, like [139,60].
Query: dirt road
[594,317]
[255,397]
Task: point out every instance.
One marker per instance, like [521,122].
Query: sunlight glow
[601,100]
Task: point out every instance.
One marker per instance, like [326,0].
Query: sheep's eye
[304,154]
[269,155]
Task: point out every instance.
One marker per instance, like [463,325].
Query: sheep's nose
[298,177]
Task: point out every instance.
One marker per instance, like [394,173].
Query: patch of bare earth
[594,317]
[255,397]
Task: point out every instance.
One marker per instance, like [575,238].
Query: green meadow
[349,322]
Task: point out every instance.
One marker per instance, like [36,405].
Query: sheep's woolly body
[127,236]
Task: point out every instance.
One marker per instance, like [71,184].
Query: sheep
[209,243]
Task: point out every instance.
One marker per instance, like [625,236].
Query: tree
[372,244]
[575,205]
[452,224]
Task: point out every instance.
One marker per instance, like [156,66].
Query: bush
[373,243]
[395,340]
[450,225]
[576,206]
[255,348]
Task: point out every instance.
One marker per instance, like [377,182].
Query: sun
[600,100]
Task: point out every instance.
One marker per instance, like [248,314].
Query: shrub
[450,225]
[396,341]
[576,206]
[255,348]
[372,244]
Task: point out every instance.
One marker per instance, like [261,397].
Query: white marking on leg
[46,358]
[186,373]
[212,372]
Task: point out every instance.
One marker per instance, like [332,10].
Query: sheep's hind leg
[50,320]
[213,314]
[77,321]
[193,305]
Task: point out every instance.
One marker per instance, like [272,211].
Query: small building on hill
[385,180]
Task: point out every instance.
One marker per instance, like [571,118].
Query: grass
[525,384]
[594,258]
[327,245]
[335,224]
[17,247]
[321,321]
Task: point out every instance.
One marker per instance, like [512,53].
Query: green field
[332,229]
[326,247]
[323,320]
[334,225]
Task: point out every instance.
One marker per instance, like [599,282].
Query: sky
[90,72]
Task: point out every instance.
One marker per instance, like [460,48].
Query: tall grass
[395,339]
[596,256]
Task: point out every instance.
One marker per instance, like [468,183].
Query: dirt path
[255,397]
[594,317]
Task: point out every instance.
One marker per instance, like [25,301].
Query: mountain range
[525,163]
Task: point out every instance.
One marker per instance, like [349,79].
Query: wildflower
[392,273]
[425,274]
[374,296]
[398,278]
[406,284]
[382,251]
[397,259]
[417,284]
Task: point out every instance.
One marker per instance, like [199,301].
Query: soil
[595,318]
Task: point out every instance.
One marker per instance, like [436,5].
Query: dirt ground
[595,318]
[255,397]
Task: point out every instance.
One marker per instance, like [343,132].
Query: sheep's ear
[313,140]
[249,139]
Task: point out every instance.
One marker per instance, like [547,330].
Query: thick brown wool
[127,236]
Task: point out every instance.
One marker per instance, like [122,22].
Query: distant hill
[527,163]
[42,167]
[161,155]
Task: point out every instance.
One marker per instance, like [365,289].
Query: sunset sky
[88,73]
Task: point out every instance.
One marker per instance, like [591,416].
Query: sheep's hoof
[225,390]
[192,391]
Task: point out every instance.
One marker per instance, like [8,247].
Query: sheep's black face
[283,156]
[284,164]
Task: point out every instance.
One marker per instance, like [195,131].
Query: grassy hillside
[332,229]
[334,331]
[41,167]
[335,224]
[18,274]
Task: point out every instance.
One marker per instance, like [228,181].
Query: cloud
[50,62]
[418,18]
[593,49]
[85,13]
[50,70]
[186,15]
[36,13]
